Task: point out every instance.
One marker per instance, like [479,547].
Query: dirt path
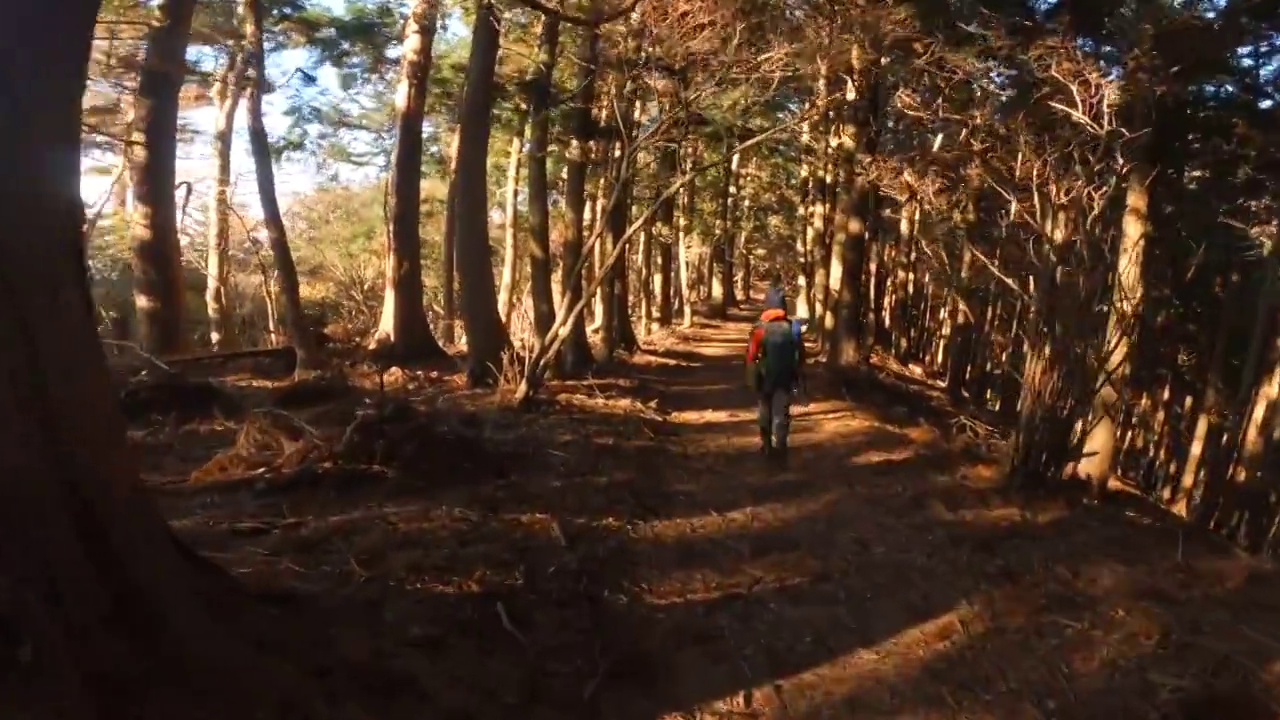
[881,576]
[625,555]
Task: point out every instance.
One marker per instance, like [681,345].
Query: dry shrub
[270,440]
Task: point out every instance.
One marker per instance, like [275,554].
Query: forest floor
[624,553]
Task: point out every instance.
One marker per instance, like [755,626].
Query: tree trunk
[607,295]
[596,220]
[105,605]
[619,217]
[823,235]
[403,329]
[688,262]
[260,146]
[226,99]
[1179,497]
[961,337]
[510,248]
[576,353]
[486,335]
[853,218]
[157,254]
[449,247]
[1098,461]
[722,249]
[544,310]
[646,281]
[665,235]
[744,231]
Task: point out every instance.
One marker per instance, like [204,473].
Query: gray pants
[773,411]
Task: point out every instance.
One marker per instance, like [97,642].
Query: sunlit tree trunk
[665,235]
[576,353]
[486,334]
[403,325]
[510,249]
[619,218]
[448,247]
[688,261]
[260,146]
[157,255]
[961,337]
[226,93]
[544,311]
[852,219]
[1098,461]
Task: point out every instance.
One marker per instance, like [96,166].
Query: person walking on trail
[776,295]
[775,298]
[775,357]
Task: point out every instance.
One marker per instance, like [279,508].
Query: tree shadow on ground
[636,559]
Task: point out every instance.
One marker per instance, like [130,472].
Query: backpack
[778,364]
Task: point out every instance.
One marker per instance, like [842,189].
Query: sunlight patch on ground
[770,575]
[754,519]
[869,673]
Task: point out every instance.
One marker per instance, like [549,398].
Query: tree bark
[227,90]
[722,296]
[403,327]
[486,335]
[157,254]
[449,246]
[260,146]
[687,206]
[1098,460]
[576,354]
[544,309]
[511,250]
[665,235]
[619,218]
[109,607]
[852,221]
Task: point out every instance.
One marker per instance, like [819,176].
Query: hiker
[776,295]
[775,356]
[776,299]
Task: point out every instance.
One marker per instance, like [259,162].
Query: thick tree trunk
[853,218]
[486,335]
[226,99]
[576,353]
[403,327]
[1098,460]
[260,146]
[110,612]
[157,254]
[544,310]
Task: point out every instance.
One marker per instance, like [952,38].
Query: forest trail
[625,554]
